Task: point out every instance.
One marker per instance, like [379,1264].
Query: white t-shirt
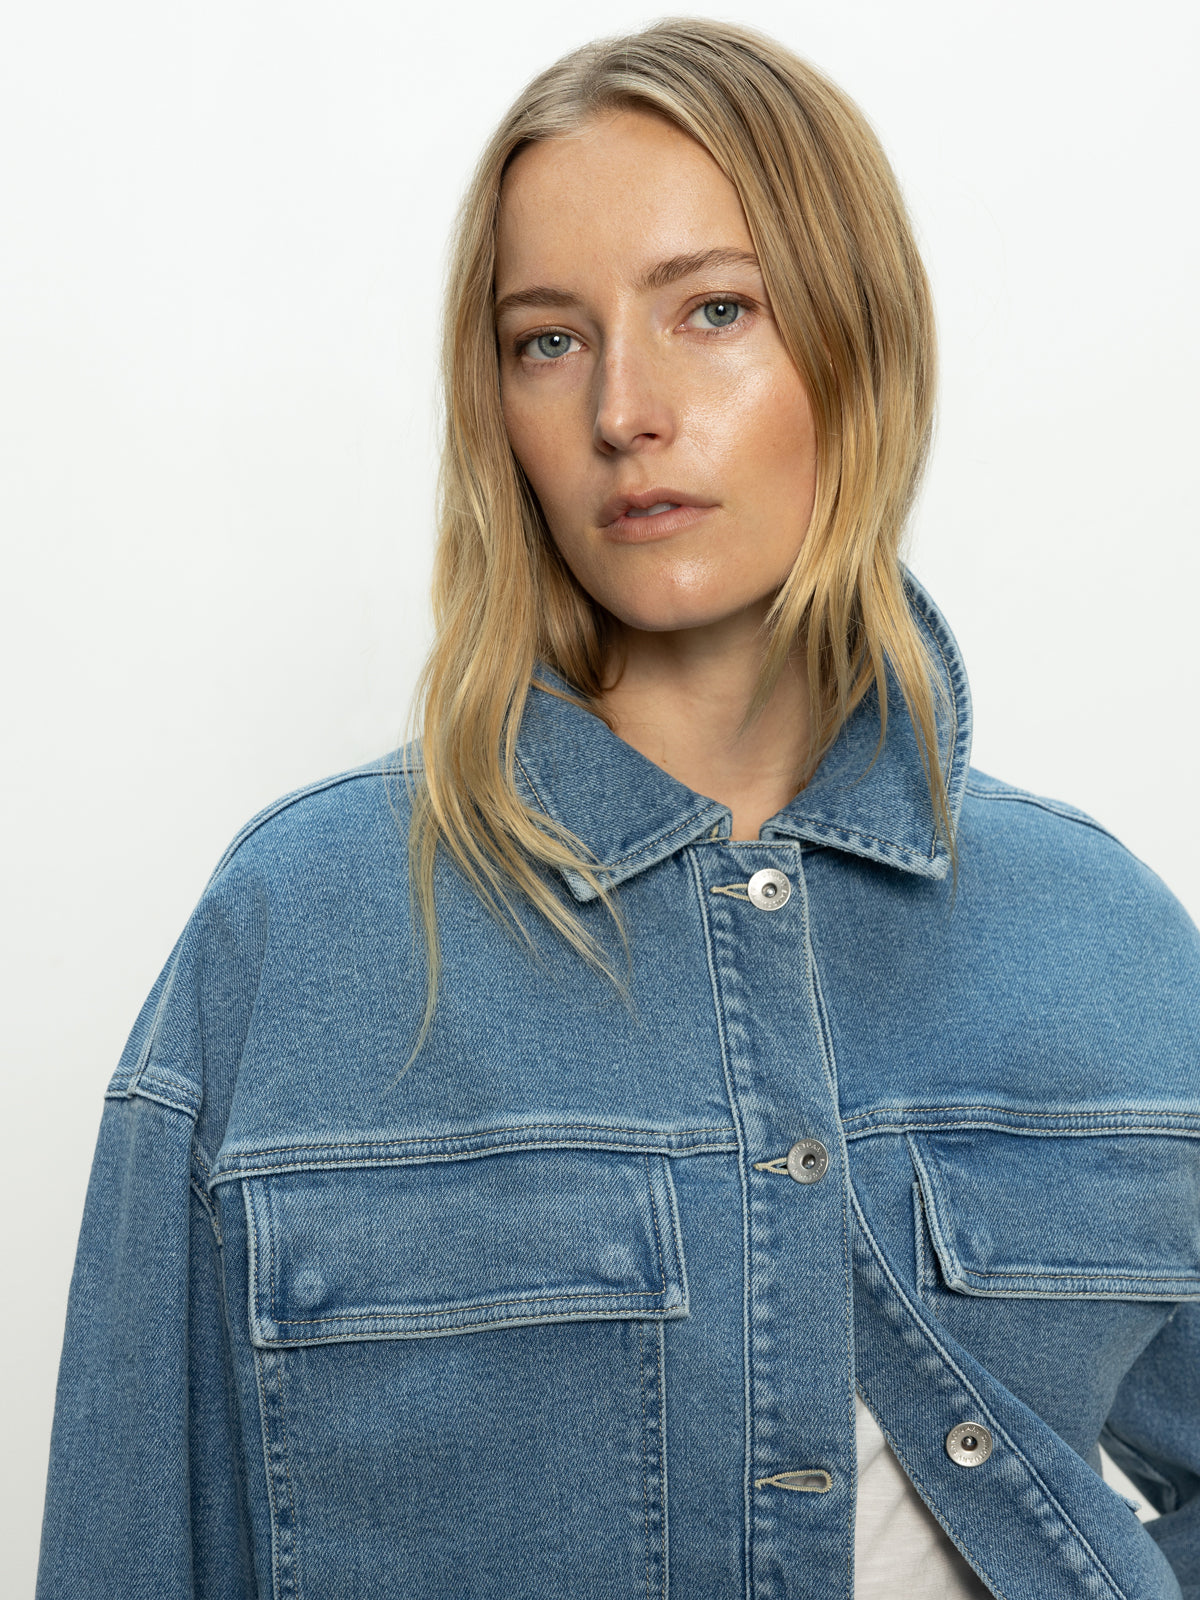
[900,1547]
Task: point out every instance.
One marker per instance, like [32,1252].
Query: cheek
[756,416]
[541,440]
[762,446]
[522,436]
[783,428]
[785,461]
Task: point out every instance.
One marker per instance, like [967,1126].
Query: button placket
[780,1078]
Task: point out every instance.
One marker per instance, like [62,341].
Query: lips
[648,504]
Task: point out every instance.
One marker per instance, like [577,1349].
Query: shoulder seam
[137,1092]
[1056,808]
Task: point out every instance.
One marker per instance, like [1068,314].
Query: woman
[687,1133]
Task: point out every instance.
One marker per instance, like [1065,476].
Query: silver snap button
[969,1444]
[769,890]
[807,1161]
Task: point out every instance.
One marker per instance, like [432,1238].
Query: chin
[671,613]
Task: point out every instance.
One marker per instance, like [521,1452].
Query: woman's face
[641,367]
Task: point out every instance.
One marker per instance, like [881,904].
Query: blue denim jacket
[552,1312]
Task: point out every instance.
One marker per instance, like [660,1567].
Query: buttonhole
[810,1481]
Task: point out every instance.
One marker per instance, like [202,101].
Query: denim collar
[631,814]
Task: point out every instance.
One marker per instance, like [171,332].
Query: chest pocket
[460,1245]
[1106,1216]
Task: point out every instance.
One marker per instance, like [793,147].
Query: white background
[222,236]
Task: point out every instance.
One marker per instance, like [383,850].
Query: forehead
[626,189]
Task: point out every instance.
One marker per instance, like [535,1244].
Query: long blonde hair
[851,300]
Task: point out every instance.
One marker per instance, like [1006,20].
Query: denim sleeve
[143,1493]
[1153,1434]
[145,1496]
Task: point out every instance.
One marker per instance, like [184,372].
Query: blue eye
[548,346]
[720,313]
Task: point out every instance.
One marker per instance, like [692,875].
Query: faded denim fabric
[546,1314]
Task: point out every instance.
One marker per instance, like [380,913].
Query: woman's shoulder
[1075,952]
[1055,852]
[360,810]
[318,872]
[1030,809]
[330,854]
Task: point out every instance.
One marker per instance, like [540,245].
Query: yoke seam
[276,1169]
[485,1133]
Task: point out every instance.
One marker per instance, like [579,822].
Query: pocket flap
[546,1235]
[1111,1216]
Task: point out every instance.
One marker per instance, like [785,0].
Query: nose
[634,409]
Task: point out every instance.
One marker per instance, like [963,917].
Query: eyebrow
[659,276]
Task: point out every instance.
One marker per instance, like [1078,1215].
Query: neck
[681,700]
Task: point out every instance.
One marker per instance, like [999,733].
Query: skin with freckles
[639,357]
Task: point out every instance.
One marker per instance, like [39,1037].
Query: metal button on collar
[769,889]
[970,1444]
[807,1161]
